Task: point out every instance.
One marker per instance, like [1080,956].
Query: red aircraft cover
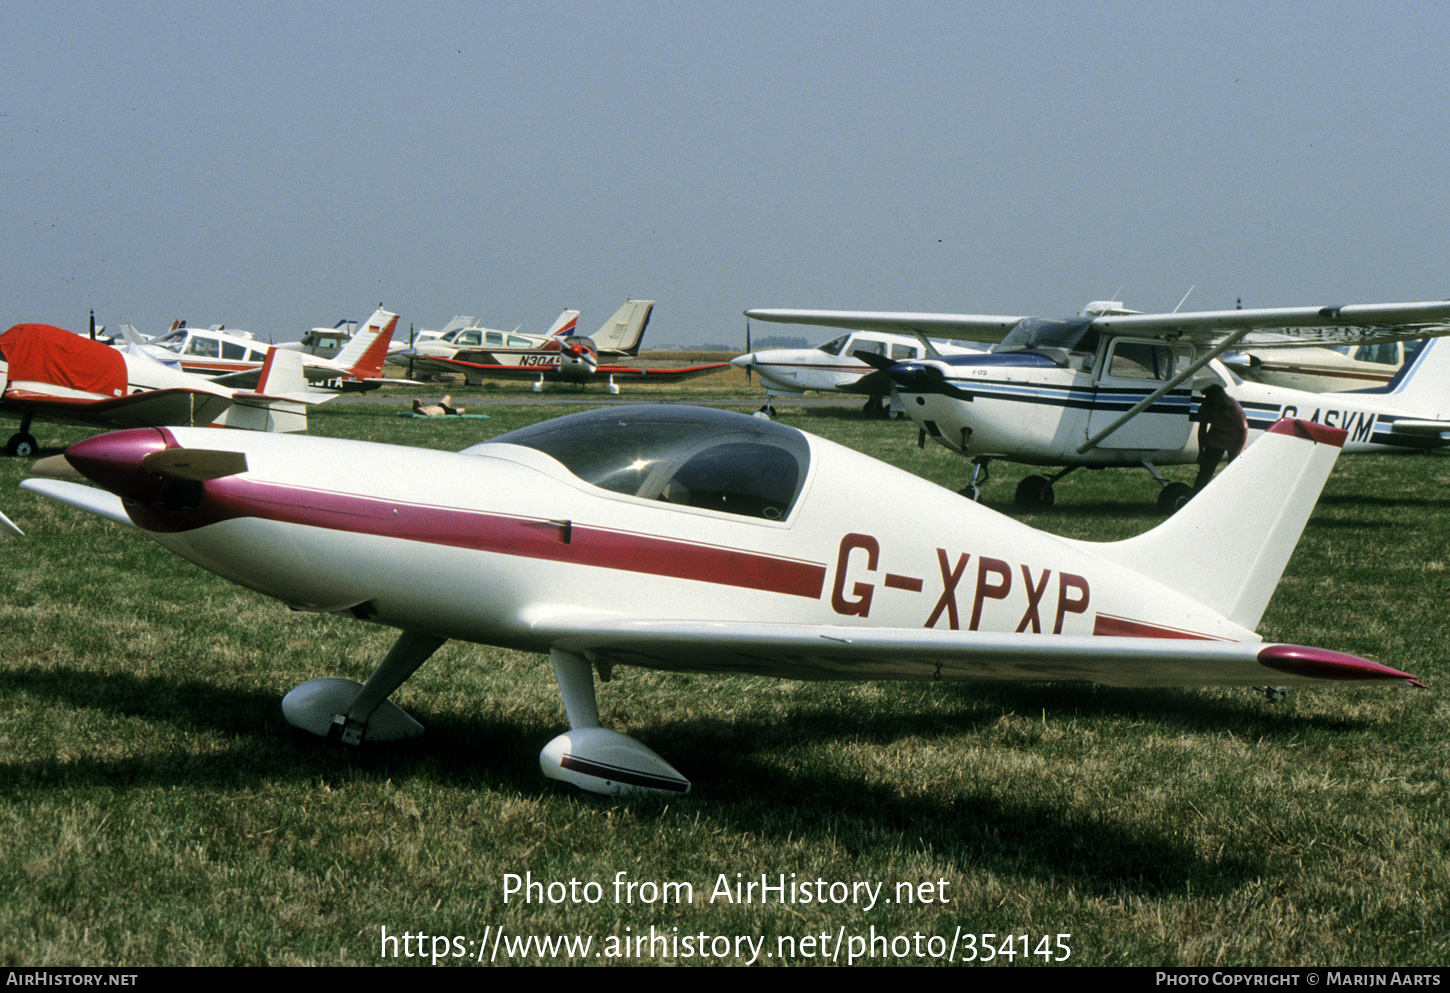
[40,353]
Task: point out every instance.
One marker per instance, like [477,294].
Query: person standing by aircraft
[1222,430]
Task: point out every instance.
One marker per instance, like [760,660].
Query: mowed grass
[156,809]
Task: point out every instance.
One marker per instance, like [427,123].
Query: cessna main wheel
[1173,497]
[1034,491]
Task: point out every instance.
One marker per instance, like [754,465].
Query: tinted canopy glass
[688,456]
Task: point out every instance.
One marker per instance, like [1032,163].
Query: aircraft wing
[797,651]
[532,372]
[983,327]
[173,406]
[80,496]
[1292,327]
[684,372]
[1279,327]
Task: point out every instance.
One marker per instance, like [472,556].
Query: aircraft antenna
[93,324]
[1185,297]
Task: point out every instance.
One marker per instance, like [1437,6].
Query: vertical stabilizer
[621,334]
[276,405]
[565,325]
[367,350]
[1228,547]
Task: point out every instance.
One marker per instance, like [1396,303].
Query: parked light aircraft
[834,368]
[1321,370]
[205,351]
[1113,387]
[325,342]
[726,547]
[236,362]
[58,376]
[478,353]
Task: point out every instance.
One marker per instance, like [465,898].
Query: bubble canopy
[690,456]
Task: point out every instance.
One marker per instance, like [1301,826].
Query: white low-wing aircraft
[1112,387]
[727,548]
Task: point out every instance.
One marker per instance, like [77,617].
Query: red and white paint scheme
[237,361]
[727,547]
[54,375]
[1113,387]
[559,355]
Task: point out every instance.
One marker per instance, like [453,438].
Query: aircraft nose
[113,462]
[746,361]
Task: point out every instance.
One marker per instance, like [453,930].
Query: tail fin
[622,332]
[276,405]
[1228,547]
[367,350]
[1422,385]
[565,325]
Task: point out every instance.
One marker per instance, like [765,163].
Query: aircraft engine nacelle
[578,359]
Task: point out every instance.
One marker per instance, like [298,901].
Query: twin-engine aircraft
[1113,387]
[726,546]
[558,356]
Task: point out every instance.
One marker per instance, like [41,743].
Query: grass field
[157,810]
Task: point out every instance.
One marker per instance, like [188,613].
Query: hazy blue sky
[275,166]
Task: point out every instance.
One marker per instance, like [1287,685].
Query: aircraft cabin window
[1385,353]
[1139,360]
[834,346]
[516,342]
[205,347]
[902,352]
[491,338]
[231,350]
[686,457]
[467,338]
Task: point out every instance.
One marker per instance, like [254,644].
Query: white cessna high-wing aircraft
[834,367]
[727,548]
[1113,387]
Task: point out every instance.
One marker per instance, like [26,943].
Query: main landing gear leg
[1036,491]
[595,758]
[353,711]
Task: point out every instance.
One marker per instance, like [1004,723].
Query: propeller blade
[914,377]
[875,360]
[748,350]
[55,467]
[195,464]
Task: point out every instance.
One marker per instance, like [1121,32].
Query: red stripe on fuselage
[536,538]
[1106,625]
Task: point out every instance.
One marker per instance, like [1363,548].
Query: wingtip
[1322,663]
